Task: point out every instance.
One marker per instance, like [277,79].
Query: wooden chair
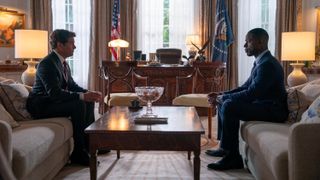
[169,55]
[118,82]
[203,80]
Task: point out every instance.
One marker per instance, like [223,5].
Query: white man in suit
[55,93]
[261,98]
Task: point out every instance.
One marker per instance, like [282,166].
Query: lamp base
[297,77]
[28,76]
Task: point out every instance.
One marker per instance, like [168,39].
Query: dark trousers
[81,113]
[231,112]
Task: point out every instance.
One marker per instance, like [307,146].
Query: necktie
[65,70]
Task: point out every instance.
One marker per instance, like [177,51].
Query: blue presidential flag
[223,36]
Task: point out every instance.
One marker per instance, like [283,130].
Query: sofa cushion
[6,81]
[120,99]
[14,97]
[198,100]
[35,140]
[297,104]
[311,91]
[5,116]
[270,142]
[312,114]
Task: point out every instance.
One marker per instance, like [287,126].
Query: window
[74,15]
[165,23]
[254,13]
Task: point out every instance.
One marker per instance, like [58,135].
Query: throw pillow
[297,104]
[5,116]
[312,91]
[14,98]
[312,115]
[6,81]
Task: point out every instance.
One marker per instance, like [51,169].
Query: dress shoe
[230,161]
[80,157]
[216,152]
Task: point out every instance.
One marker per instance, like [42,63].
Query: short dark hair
[60,35]
[259,33]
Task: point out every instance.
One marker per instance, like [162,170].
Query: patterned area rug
[138,165]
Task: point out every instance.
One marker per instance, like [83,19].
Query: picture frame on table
[10,21]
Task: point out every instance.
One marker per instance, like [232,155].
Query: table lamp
[297,46]
[30,44]
[195,39]
[118,43]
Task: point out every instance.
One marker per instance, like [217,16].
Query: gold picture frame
[10,21]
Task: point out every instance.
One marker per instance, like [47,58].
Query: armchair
[201,78]
[118,82]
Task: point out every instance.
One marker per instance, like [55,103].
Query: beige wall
[309,13]
[22,6]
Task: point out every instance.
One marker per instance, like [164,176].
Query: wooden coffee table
[116,130]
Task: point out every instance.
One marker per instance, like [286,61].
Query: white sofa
[281,151]
[36,149]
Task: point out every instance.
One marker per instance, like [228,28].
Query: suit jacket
[50,83]
[265,84]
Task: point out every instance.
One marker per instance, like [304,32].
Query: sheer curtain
[183,16]
[250,16]
[150,25]
[58,14]
[80,18]
[181,20]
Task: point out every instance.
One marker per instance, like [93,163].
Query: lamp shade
[31,43]
[194,38]
[118,43]
[298,46]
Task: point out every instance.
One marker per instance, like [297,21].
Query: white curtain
[58,14]
[250,16]
[81,14]
[150,25]
[183,16]
[81,18]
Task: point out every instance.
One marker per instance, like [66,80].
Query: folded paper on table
[151,120]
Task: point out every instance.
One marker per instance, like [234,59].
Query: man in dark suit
[261,98]
[55,93]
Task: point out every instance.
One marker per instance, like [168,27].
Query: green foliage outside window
[166,23]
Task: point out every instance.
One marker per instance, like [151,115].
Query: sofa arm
[304,151]
[6,139]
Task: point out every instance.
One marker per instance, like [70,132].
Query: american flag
[223,33]
[115,29]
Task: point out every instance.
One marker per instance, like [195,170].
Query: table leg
[196,164]
[93,164]
[118,154]
[209,122]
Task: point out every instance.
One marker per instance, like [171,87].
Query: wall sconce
[297,46]
[30,44]
[118,43]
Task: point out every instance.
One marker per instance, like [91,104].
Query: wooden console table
[12,71]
